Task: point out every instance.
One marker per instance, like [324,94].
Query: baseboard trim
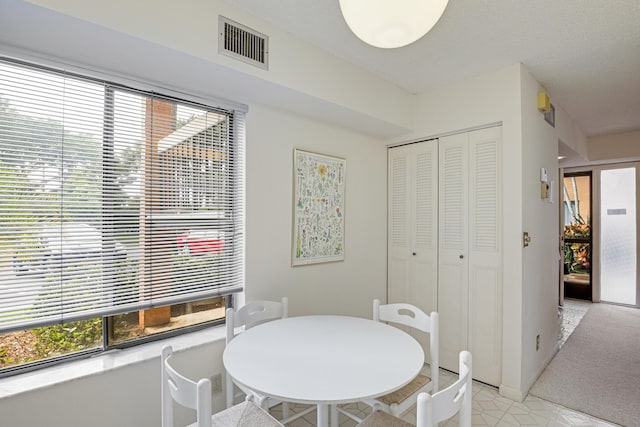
[520,394]
[511,393]
[542,367]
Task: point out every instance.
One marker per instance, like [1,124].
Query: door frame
[595,222]
[561,240]
[597,170]
[579,173]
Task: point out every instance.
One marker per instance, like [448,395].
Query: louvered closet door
[453,287]
[485,255]
[398,223]
[470,278]
[413,232]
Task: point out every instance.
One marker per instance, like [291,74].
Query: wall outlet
[216,384]
[537,342]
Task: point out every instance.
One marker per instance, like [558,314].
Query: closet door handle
[461,256]
[414,254]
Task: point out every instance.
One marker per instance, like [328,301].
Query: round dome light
[391,23]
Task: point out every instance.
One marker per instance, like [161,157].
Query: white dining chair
[197,395]
[247,316]
[436,407]
[401,400]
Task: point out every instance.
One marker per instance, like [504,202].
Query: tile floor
[491,409]
[571,314]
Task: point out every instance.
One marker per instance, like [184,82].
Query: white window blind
[112,199]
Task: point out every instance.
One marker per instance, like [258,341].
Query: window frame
[175,96]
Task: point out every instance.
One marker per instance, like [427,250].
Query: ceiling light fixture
[391,23]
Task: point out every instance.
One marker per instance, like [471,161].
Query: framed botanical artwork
[318,208]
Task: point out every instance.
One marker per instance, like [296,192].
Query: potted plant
[568,258]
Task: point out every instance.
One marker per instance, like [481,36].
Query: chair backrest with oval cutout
[188,393]
[440,406]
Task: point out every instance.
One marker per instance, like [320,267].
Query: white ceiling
[585,53]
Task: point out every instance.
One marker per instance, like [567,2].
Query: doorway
[577,190]
[600,232]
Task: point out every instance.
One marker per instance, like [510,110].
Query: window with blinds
[113,200]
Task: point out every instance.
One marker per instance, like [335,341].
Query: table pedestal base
[323,415]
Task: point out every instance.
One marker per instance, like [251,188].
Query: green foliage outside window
[66,338]
[577,255]
[49,341]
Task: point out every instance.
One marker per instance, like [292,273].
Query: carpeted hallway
[597,370]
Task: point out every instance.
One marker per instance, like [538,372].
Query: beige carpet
[597,371]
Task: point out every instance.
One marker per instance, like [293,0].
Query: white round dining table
[324,360]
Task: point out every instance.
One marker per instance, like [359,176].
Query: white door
[425,226]
[399,237]
[412,225]
[618,236]
[453,262]
[485,255]
[470,271]
[444,242]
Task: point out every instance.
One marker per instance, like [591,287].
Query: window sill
[104,362]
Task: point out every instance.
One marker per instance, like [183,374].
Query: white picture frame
[319,183]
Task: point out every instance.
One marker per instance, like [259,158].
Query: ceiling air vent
[243,43]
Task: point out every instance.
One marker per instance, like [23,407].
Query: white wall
[618,147]
[191,27]
[540,260]
[128,396]
[341,287]
[569,133]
